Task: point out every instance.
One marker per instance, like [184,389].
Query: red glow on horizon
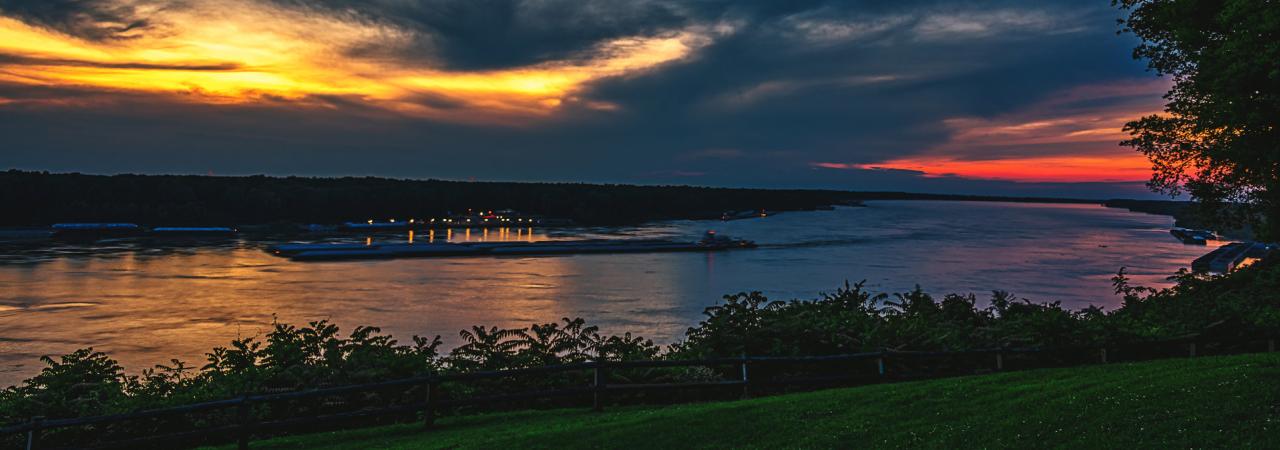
[1056,140]
[1052,169]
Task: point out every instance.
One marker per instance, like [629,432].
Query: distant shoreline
[38,199]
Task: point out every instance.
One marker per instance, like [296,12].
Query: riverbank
[269,203]
[1183,212]
[1214,402]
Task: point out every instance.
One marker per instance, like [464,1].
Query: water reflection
[145,302]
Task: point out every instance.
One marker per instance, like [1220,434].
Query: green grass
[1219,402]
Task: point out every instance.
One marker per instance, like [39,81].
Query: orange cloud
[243,51]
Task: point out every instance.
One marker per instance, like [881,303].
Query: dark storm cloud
[875,86]
[87,19]
[490,34]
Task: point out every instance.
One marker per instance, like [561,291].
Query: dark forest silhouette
[42,198]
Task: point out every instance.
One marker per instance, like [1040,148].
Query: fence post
[746,382]
[242,417]
[1103,352]
[999,360]
[429,410]
[33,435]
[880,363]
[1191,349]
[599,384]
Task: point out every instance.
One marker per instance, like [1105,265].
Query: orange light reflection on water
[144,308]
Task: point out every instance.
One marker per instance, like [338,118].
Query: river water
[145,302]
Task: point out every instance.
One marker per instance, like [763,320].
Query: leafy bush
[849,320]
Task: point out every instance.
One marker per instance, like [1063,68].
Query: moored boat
[1194,237]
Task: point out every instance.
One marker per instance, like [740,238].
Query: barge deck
[331,252]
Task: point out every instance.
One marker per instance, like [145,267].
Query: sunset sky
[986,97]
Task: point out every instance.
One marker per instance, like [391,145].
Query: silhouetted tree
[486,348]
[1219,138]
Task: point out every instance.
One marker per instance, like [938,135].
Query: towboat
[712,240]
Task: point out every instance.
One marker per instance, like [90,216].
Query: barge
[193,232]
[331,252]
[94,231]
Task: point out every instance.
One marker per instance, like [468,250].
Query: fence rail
[888,366]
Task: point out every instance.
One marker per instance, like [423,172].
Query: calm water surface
[146,302]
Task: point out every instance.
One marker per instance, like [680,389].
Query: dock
[1228,257]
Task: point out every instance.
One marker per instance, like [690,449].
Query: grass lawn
[1219,402]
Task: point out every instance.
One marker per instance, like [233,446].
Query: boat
[1194,237]
[373,226]
[387,251]
[94,231]
[192,231]
[322,252]
[320,228]
[293,249]
[739,215]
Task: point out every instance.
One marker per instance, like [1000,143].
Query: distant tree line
[39,199]
[42,198]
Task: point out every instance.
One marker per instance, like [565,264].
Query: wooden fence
[240,419]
